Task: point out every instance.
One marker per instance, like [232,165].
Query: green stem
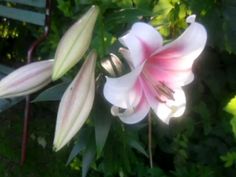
[150,139]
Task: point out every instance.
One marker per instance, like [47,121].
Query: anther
[164,90]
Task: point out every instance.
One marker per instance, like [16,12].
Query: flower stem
[150,138]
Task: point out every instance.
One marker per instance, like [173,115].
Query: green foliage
[201,144]
[194,170]
[53,93]
[229,158]
[231,108]
[221,14]
[40,160]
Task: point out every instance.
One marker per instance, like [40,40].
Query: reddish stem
[29,59]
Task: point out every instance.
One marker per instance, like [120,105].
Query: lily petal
[132,115]
[171,78]
[123,91]
[172,108]
[76,103]
[26,79]
[180,54]
[141,40]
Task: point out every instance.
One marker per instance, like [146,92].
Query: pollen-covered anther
[165,91]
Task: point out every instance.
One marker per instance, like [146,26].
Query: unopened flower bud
[74,43]
[26,79]
[76,103]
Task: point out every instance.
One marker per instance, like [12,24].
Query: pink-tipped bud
[26,79]
[76,103]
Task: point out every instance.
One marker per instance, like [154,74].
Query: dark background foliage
[200,144]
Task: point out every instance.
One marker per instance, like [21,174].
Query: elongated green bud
[74,43]
[76,103]
[26,79]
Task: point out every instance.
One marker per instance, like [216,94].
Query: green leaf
[9,102]
[80,145]
[203,110]
[126,16]
[229,158]
[4,70]
[233,124]
[221,14]
[88,156]
[231,106]
[229,12]
[53,93]
[163,7]
[156,172]
[102,123]
[136,145]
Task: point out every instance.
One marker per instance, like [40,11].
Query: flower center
[162,92]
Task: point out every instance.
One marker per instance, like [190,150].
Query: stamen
[172,91]
[162,89]
[159,99]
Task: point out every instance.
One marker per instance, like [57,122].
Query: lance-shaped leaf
[74,43]
[26,79]
[76,103]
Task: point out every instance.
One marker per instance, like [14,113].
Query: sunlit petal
[132,115]
[180,54]
[141,40]
[123,91]
[172,108]
[172,78]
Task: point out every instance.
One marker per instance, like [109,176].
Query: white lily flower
[157,73]
[76,103]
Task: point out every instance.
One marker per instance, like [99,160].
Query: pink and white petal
[142,40]
[172,108]
[135,46]
[171,78]
[132,115]
[181,53]
[147,34]
[124,91]
[149,93]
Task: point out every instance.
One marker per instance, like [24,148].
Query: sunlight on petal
[162,71]
[172,108]
[123,91]
[132,115]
